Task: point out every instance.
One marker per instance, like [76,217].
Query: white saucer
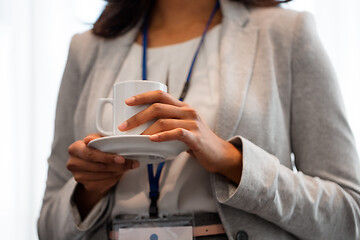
[139,147]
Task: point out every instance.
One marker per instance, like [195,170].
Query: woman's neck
[174,21]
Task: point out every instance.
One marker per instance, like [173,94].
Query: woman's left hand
[176,120]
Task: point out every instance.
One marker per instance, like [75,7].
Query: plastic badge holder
[166,226]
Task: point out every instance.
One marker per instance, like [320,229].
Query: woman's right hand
[95,171]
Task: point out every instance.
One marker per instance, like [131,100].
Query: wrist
[85,200]
[231,166]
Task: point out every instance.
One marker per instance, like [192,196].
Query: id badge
[166,226]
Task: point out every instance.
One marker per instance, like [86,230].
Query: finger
[158,111]
[82,177]
[79,149]
[152,97]
[91,137]
[162,125]
[180,134]
[78,164]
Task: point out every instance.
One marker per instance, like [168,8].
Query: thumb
[91,137]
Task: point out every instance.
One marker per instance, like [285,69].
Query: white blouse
[184,183]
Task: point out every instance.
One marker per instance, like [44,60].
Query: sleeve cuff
[93,216]
[260,170]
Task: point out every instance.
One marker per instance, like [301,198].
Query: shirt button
[242,235]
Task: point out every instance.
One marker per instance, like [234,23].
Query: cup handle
[99,111]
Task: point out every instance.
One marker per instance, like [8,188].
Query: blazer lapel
[111,56]
[237,54]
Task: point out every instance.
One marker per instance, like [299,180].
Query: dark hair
[119,16]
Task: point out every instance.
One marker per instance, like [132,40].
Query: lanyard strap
[154,180]
[154,188]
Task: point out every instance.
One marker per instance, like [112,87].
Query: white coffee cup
[121,111]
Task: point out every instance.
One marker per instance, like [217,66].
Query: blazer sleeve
[322,199]
[59,217]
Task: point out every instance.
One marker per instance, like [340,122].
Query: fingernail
[154,137]
[135,165]
[122,126]
[119,159]
[130,100]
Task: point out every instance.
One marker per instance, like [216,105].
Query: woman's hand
[176,120]
[95,171]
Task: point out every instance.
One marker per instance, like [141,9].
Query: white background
[34,40]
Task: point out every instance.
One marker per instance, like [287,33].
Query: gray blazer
[280,103]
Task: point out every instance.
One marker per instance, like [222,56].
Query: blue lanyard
[154,180]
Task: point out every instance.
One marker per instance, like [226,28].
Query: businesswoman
[258,106]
